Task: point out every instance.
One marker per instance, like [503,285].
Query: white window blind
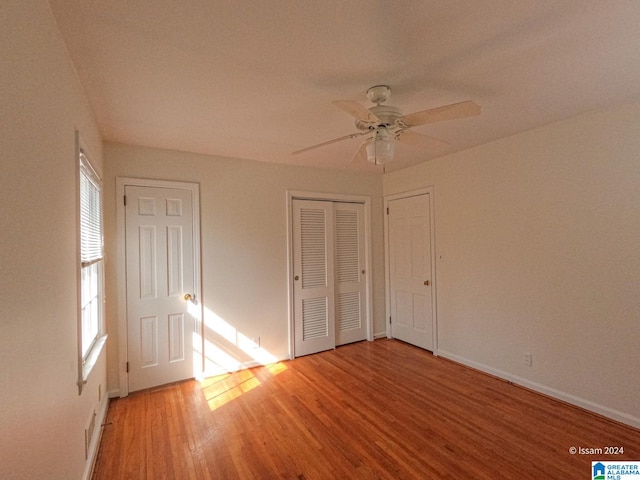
[91,248]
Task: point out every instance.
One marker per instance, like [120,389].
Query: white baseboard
[551,392]
[94,444]
[212,372]
[113,393]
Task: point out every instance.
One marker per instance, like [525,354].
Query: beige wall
[537,246]
[42,417]
[244,240]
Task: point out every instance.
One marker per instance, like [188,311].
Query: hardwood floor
[379,409]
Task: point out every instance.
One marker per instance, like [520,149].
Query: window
[90,337]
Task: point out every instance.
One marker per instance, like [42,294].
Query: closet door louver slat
[348,314]
[347,255]
[314,314]
[313,248]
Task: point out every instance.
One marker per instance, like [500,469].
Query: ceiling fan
[386,124]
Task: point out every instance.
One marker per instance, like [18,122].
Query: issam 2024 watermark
[624,470]
[610,450]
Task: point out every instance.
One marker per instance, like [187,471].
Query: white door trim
[121,183]
[387,283]
[330,197]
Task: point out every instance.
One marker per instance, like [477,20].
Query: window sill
[91,361]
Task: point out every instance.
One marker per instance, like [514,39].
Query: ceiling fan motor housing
[385,113]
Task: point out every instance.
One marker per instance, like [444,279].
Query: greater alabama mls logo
[615,470]
[598,471]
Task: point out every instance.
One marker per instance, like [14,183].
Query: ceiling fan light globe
[384,151]
[380,151]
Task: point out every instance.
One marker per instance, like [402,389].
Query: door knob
[188,297]
[427,283]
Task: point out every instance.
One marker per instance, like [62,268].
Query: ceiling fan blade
[438,114]
[329,142]
[356,110]
[361,154]
[422,141]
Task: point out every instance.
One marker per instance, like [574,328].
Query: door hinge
[389,320]
[127,367]
[125,200]
[387,210]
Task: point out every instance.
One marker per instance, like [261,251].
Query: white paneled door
[314,307]
[410,272]
[350,271]
[160,267]
[329,275]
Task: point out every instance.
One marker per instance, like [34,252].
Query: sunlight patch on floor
[276,368]
[231,352]
[222,389]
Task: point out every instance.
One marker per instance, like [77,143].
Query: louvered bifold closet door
[314,306]
[350,272]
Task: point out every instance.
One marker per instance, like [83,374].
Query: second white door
[410,270]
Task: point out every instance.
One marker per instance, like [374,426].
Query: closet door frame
[328,197]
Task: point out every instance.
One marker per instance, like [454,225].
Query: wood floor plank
[379,410]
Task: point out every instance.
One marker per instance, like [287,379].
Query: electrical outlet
[527,359]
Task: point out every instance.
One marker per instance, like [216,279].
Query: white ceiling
[255,79]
